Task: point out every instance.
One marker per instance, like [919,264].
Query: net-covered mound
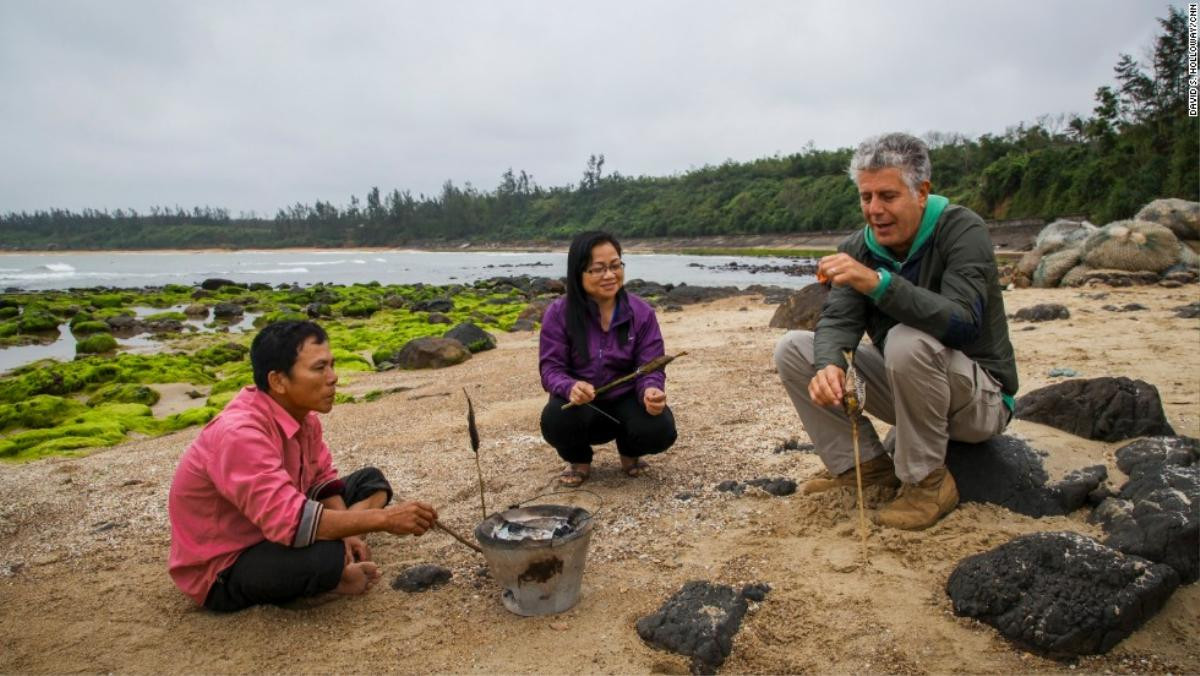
[1132,245]
[1051,268]
[1056,237]
[1180,216]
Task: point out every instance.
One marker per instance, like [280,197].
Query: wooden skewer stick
[854,400]
[456,536]
[648,367]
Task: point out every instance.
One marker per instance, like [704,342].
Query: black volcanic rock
[1104,409]
[1042,313]
[1005,471]
[1157,513]
[474,338]
[421,578]
[1060,594]
[700,621]
[801,309]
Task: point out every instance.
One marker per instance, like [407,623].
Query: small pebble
[46,559]
[1062,373]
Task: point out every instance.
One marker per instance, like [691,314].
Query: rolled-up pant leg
[829,426]
[362,484]
[939,394]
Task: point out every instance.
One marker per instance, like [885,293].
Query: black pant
[273,573]
[573,431]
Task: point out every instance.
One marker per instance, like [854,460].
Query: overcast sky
[256,105]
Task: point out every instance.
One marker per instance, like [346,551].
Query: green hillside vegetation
[1138,145]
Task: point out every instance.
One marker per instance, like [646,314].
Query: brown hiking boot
[920,505]
[875,472]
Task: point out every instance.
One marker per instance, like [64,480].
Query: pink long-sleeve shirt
[253,474]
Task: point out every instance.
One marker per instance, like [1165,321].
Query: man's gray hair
[907,153]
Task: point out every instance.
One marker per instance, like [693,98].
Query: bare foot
[633,466]
[574,475]
[357,578]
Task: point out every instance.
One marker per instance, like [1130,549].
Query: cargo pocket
[977,411]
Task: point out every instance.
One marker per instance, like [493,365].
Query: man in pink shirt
[258,512]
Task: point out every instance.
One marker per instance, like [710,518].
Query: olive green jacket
[948,287]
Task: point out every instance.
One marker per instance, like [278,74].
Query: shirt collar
[264,402]
[934,206]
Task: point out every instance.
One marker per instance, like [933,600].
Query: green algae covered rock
[279,316]
[86,327]
[108,300]
[346,360]
[96,343]
[36,443]
[192,416]
[361,308]
[36,320]
[220,400]
[221,354]
[8,312]
[233,383]
[39,412]
[51,377]
[384,355]
[105,425]
[124,393]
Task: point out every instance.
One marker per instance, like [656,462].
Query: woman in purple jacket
[596,334]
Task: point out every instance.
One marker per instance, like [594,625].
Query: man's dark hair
[275,348]
[579,257]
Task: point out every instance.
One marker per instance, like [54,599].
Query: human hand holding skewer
[648,367]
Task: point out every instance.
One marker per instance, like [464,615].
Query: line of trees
[1139,144]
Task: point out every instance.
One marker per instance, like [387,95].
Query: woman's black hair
[579,257]
[276,347]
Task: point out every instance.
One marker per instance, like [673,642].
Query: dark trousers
[273,573]
[573,431]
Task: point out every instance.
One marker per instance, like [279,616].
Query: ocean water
[51,270]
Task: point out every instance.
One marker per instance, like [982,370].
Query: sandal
[572,478]
[638,468]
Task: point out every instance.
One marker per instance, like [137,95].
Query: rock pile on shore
[1151,248]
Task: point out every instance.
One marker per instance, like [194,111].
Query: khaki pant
[929,392]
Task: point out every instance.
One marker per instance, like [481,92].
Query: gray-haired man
[921,281]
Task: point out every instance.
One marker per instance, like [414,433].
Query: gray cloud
[260,105]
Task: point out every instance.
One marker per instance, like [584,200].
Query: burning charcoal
[535,528]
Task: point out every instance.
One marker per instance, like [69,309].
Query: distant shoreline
[1007,237]
[640,245]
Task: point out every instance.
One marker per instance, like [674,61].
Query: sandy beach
[83,541]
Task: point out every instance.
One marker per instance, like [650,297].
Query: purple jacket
[610,358]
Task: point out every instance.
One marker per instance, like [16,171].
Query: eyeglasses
[599,270]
